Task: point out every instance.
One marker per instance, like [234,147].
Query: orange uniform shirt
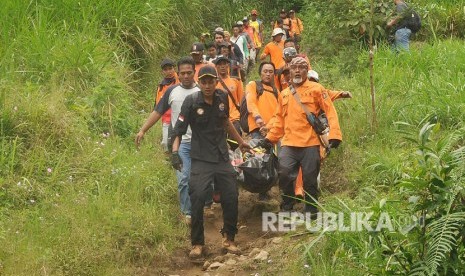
[197,69]
[290,121]
[235,86]
[166,118]
[275,50]
[263,106]
[296,26]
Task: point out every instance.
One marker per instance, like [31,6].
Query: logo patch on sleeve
[221,106]
[200,111]
[181,118]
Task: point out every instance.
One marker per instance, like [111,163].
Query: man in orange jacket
[232,87]
[169,78]
[274,49]
[300,144]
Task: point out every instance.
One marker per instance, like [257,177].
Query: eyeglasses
[298,67]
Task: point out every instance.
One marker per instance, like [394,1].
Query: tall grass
[76,81]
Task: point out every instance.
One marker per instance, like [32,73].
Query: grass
[77,80]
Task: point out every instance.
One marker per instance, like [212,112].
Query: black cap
[197,48]
[223,44]
[221,58]
[167,61]
[207,71]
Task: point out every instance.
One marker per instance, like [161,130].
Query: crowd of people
[199,101]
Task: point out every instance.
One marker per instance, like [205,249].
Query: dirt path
[250,236]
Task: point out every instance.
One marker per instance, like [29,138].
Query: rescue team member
[287,24]
[261,108]
[250,31]
[197,55]
[300,145]
[234,65]
[239,40]
[169,78]
[207,113]
[231,87]
[297,26]
[274,49]
[335,135]
[258,35]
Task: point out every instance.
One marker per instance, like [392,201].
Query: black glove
[334,143]
[176,161]
[265,143]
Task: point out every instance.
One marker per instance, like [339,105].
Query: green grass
[73,202]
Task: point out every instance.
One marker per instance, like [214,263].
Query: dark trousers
[290,159]
[203,174]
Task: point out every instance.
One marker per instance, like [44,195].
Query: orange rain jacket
[290,121]
[263,106]
[161,89]
[235,86]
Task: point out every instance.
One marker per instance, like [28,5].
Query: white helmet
[277,31]
[313,75]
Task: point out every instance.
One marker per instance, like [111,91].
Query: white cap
[312,74]
[219,30]
[278,31]
[239,23]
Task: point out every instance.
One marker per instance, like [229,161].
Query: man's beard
[297,80]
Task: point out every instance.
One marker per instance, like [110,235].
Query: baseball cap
[239,23]
[312,74]
[277,31]
[291,11]
[219,30]
[221,58]
[167,61]
[254,12]
[197,48]
[207,71]
[283,11]
[245,19]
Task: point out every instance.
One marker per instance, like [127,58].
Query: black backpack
[412,20]
[244,111]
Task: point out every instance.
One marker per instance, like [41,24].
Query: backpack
[413,21]
[410,20]
[244,111]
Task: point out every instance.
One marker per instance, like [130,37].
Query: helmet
[313,75]
[289,53]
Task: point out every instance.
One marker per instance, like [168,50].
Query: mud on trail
[253,242]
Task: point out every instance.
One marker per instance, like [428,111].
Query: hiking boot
[208,212]
[196,252]
[230,247]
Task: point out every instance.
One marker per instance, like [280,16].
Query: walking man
[207,114]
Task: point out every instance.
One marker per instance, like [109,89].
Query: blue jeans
[183,178]
[402,39]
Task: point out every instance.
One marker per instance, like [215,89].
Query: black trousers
[203,174]
[290,159]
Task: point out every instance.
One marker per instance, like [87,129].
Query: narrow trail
[250,236]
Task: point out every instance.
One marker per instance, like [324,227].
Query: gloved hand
[334,143]
[265,143]
[176,161]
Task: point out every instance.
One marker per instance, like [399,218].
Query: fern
[442,238]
